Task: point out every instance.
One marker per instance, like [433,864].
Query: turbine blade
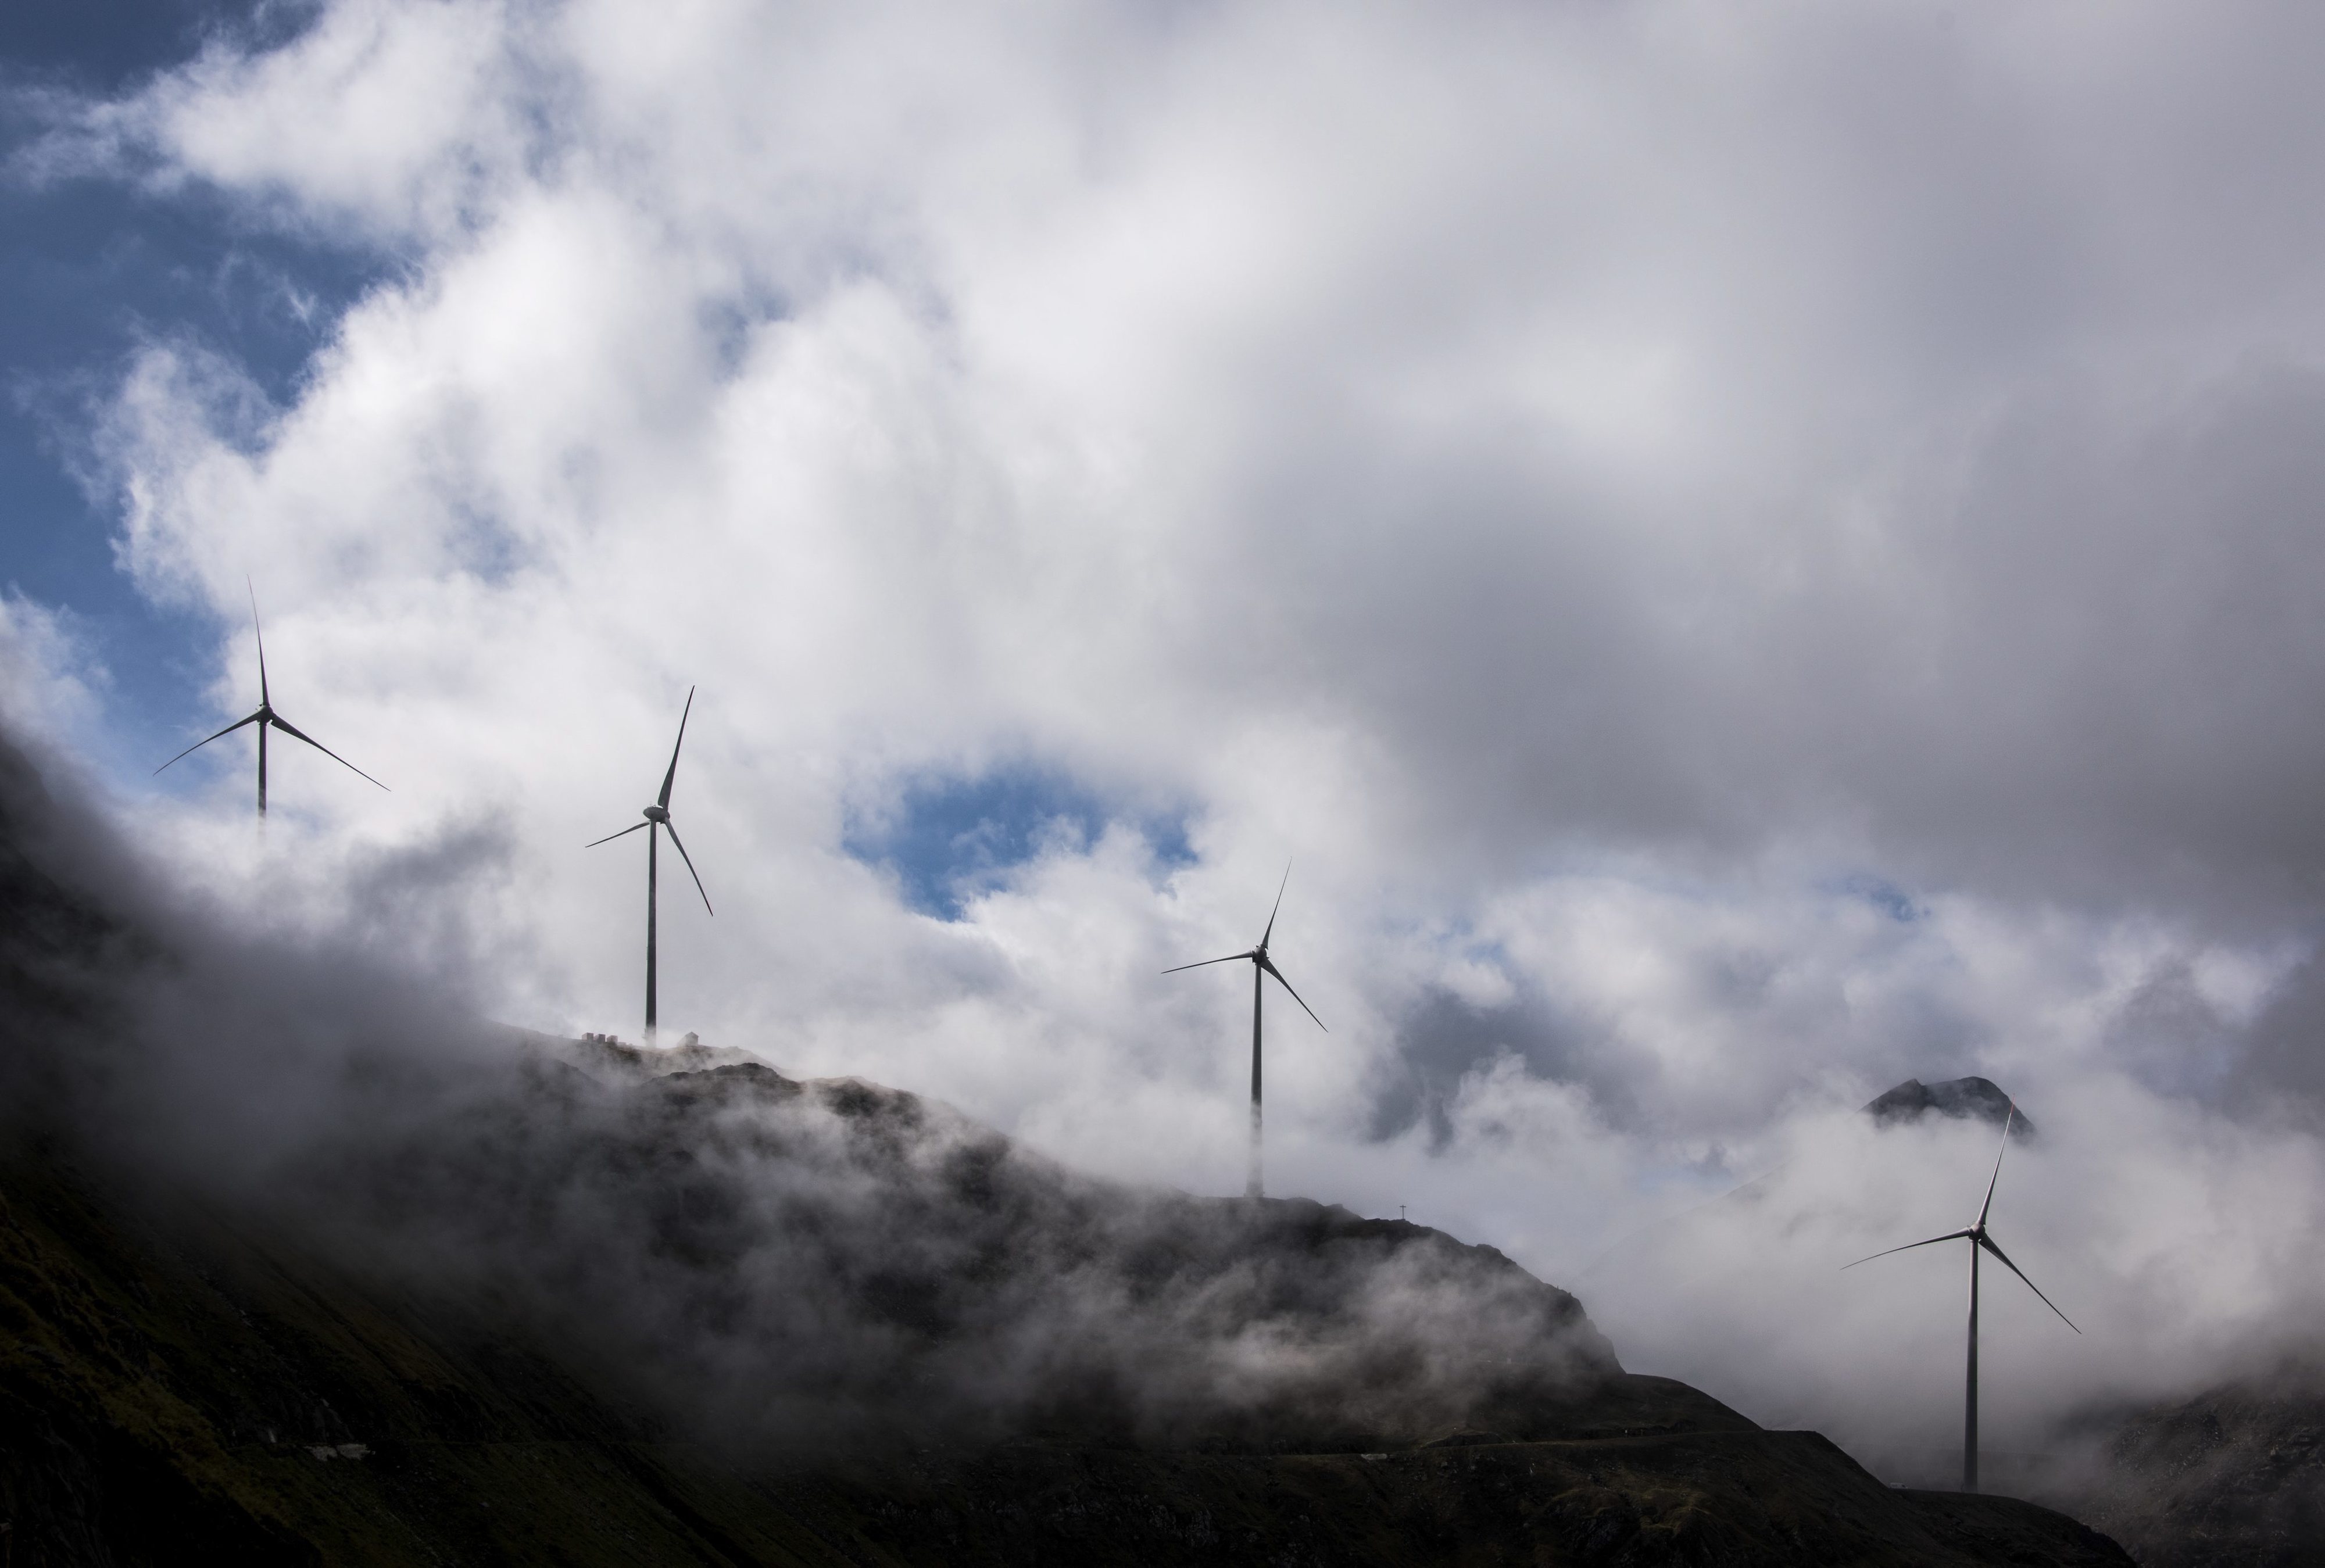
[670,778]
[294,731]
[2008,1117]
[263,700]
[689,864]
[1268,965]
[610,838]
[1230,958]
[198,745]
[1908,1247]
[1987,1242]
[1271,917]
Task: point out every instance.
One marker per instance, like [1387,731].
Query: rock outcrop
[1971,1099]
[298,1264]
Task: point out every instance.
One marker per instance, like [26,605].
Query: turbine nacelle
[1261,967]
[656,823]
[266,718]
[1979,1240]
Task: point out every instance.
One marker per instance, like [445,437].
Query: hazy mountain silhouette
[1972,1099]
[2233,1477]
[298,1264]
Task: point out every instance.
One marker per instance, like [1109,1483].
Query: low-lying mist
[787,1262]
[2167,1237]
[777,1265]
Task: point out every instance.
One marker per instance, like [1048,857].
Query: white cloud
[1583,481]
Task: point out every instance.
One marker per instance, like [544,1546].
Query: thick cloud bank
[760,1263]
[1747,553]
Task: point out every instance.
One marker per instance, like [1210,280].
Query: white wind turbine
[1979,1240]
[266,718]
[1261,967]
[657,822]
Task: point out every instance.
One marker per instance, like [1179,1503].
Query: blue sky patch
[1883,894]
[93,270]
[950,837]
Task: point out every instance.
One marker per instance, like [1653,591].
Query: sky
[1738,552]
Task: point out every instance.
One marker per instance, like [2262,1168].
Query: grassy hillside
[173,1390]
[299,1266]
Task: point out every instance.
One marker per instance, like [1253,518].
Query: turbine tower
[1261,967]
[1979,1240]
[657,822]
[266,717]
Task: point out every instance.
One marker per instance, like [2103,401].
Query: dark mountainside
[297,1266]
[2234,1478]
[1977,1099]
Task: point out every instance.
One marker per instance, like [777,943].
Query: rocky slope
[1974,1099]
[2232,1478]
[298,1265]
[173,1388]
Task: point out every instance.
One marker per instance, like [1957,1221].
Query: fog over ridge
[769,1267]
[1744,553]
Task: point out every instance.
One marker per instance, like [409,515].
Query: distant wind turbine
[266,717]
[1976,1235]
[657,816]
[1261,966]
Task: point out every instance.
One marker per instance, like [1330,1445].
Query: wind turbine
[266,716]
[1261,966]
[1976,1235]
[657,822]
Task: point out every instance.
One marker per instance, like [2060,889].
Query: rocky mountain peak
[1972,1098]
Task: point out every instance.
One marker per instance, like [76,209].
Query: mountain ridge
[1973,1098]
[300,1264]
[181,1380]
